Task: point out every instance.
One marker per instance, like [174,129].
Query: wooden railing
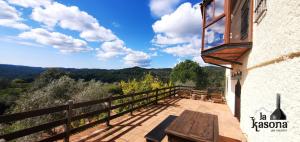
[147,97]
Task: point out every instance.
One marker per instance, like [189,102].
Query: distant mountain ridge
[17,71]
[105,75]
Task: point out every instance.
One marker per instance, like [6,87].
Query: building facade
[261,51]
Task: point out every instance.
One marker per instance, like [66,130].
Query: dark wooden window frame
[215,19]
[227,12]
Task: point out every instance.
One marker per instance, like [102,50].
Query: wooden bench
[158,133]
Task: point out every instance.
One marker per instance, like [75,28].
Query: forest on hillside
[16,81]
[28,74]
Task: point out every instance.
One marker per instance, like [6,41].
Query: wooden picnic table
[193,126]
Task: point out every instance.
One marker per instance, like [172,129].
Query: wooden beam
[227,46]
[230,61]
[227,53]
[221,66]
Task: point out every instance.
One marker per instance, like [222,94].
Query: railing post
[68,126]
[179,89]
[156,96]
[164,94]
[148,99]
[170,92]
[108,111]
[174,91]
[131,104]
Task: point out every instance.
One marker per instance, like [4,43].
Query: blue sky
[108,34]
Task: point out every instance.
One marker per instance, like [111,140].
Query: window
[245,20]
[219,7]
[209,13]
[226,24]
[214,34]
[226,31]
[214,10]
[215,24]
[260,9]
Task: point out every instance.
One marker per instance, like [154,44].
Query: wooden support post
[131,104]
[68,126]
[108,110]
[156,96]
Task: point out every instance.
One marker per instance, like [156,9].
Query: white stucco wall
[229,92]
[278,34]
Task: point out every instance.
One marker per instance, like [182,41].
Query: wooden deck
[134,128]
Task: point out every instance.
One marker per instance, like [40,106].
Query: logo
[276,121]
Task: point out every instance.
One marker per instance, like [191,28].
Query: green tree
[148,82]
[4,83]
[216,77]
[48,76]
[189,72]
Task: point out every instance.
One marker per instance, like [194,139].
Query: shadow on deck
[134,128]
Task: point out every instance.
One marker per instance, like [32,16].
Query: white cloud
[30,3]
[180,51]
[17,40]
[64,43]
[72,18]
[53,14]
[185,21]
[179,33]
[199,60]
[161,40]
[137,58]
[179,27]
[112,49]
[117,48]
[10,17]
[153,49]
[185,50]
[161,7]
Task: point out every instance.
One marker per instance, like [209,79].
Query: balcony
[227,30]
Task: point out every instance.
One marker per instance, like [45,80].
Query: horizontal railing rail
[29,114]
[145,98]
